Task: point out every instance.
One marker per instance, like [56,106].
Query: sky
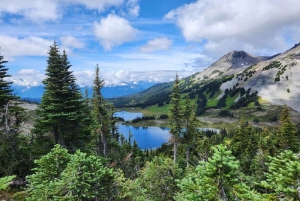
[140,40]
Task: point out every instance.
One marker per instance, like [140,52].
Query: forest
[75,151]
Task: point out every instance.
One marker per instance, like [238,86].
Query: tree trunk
[175,150]
[223,194]
[102,139]
[187,156]
[7,128]
[104,144]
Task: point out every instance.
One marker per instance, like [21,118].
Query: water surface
[146,137]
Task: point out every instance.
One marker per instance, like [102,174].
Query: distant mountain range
[35,93]
[275,78]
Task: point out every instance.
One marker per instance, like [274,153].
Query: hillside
[212,76]
[276,80]
[235,80]
[156,94]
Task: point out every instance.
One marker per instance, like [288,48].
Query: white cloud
[30,46]
[250,23]
[51,10]
[35,46]
[32,77]
[72,42]
[85,78]
[34,10]
[156,44]
[27,77]
[113,31]
[133,8]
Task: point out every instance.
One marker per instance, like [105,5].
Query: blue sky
[140,40]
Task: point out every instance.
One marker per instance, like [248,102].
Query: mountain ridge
[274,78]
[35,93]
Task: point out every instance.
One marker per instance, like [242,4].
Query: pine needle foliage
[175,116]
[101,115]
[62,110]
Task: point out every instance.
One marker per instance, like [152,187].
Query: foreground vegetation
[75,152]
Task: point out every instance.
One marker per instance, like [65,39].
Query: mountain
[126,88]
[229,64]
[276,80]
[34,93]
[238,74]
[158,93]
[30,93]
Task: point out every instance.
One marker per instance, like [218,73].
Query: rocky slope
[276,79]
[231,63]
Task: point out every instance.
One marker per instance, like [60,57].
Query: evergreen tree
[266,148]
[62,176]
[244,145]
[14,156]
[287,134]
[156,182]
[191,127]
[101,113]
[7,120]
[217,179]
[62,110]
[175,116]
[283,177]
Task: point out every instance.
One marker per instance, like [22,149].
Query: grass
[213,101]
[230,100]
[155,110]
[152,110]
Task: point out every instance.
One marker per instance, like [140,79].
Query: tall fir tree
[14,157]
[175,116]
[62,110]
[6,92]
[101,114]
[7,105]
[191,127]
[287,132]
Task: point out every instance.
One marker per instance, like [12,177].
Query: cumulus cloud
[27,77]
[72,42]
[85,78]
[133,8]
[113,31]
[29,46]
[36,10]
[32,77]
[251,24]
[51,10]
[156,44]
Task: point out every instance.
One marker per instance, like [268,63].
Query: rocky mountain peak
[295,46]
[231,63]
[238,54]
